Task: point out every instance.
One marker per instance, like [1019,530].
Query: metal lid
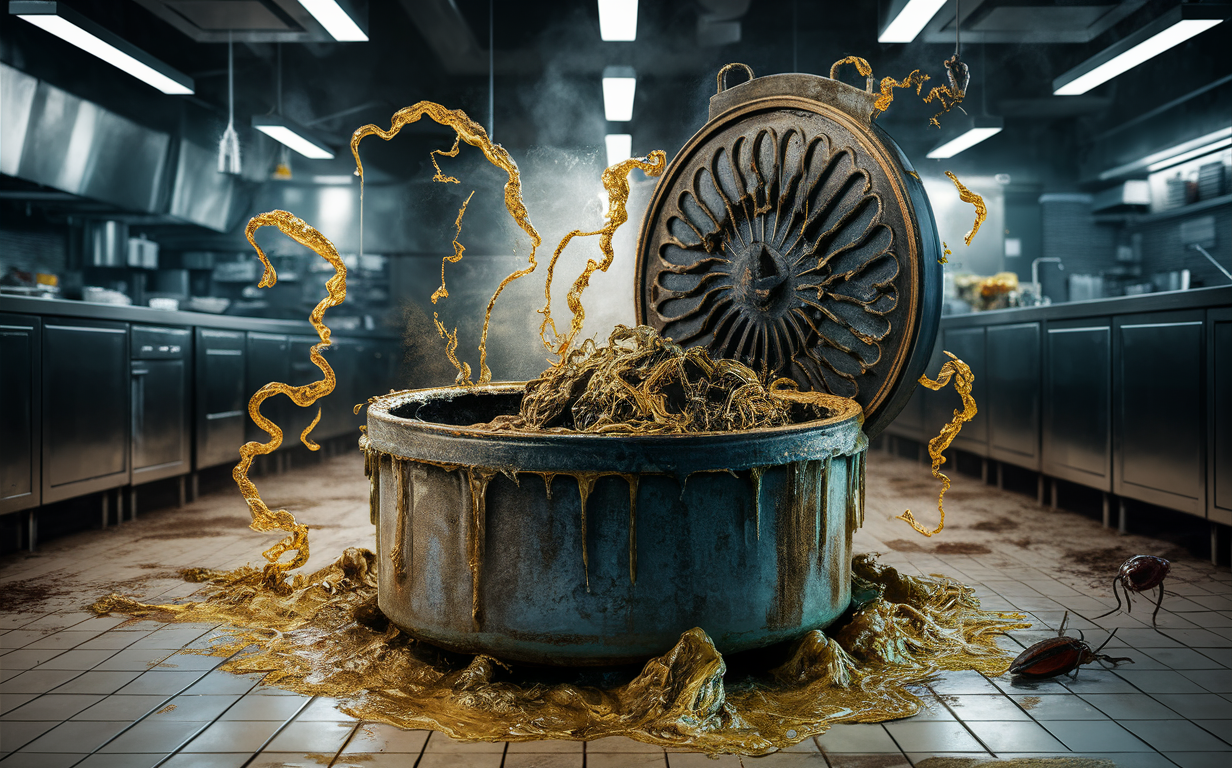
[791,233]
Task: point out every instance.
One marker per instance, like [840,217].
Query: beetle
[1138,574]
[1059,655]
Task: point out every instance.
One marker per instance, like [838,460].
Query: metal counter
[101,398]
[1129,396]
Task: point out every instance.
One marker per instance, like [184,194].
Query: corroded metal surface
[589,549]
[791,234]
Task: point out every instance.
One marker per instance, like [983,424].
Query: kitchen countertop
[1197,298]
[124,313]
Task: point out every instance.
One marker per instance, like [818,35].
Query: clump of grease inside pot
[641,383]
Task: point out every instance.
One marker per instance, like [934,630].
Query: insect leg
[1158,603]
[1118,599]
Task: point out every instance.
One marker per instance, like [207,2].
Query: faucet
[1211,259]
[1035,267]
[1035,283]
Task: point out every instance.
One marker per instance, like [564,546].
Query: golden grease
[616,184]
[963,379]
[888,84]
[472,133]
[327,638]
[264,519]
[967,196]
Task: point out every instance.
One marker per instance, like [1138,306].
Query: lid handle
[723,74]
[861,66]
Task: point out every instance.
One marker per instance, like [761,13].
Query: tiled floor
[76,690]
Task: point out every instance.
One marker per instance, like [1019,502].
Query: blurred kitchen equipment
[142,253]
[1086,287]
[106,243]
[164,303]
[210,304]
[97,295]
[172,281]
[1176,280]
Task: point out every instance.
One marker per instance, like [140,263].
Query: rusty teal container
[592,549]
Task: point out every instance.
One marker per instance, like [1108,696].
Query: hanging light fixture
[229,144]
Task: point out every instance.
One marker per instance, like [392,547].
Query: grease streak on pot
[533,547]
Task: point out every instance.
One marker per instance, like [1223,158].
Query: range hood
[58,140]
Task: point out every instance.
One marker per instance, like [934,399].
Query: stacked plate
[1210,181]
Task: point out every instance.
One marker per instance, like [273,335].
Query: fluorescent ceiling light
[982,128]
[619,147]
[335,20]
[294,136]
[74,28]
[348,178]
[1155,158]
[1168,31]
[1190,155]
[619,84]
[618,20]
[904,27]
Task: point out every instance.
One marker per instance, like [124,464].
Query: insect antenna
[1111,635]
[1118,599]
[1064,621]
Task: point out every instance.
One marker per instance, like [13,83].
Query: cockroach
[1138,574]
[1059,655]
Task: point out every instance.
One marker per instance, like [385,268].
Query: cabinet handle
[140,372]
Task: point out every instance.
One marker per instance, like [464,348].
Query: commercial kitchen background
[110,192]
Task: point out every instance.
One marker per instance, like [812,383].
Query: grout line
[273,735]
[423,750]
[345,742]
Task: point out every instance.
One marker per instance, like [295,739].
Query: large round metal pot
[579,549]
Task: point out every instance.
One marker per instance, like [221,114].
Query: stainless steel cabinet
[85,407]
[20,413]
[1077,428]
[269,360]
[221,401]
[1219,412]
[1159,409]
[160,403]
[968,345]
[1012,402]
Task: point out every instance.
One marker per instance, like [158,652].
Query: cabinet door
[1159,410]
[269,360]
[1012,402]
[1219,399]
[968,345]
[20,427]
[85,407]
[1077,429]
[221,405]
[160,419]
